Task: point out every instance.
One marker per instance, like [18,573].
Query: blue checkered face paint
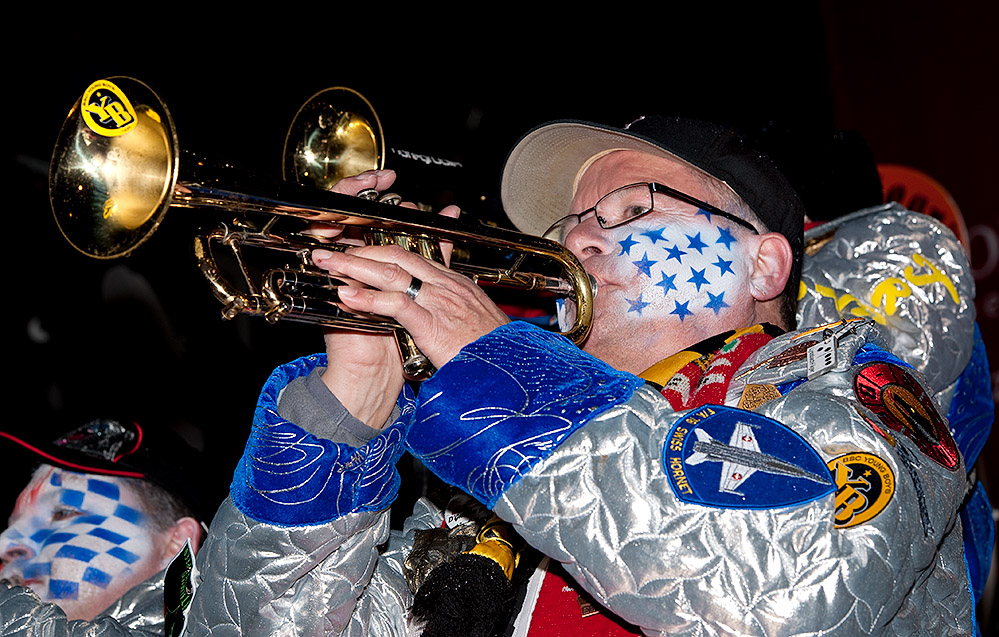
[666,280]
[78,540]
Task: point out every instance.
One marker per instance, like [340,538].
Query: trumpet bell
[335,134]
[114,168]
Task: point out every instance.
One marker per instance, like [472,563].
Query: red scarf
[702,373]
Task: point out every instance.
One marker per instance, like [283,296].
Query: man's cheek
[94,552]
[85,573]
[680,273]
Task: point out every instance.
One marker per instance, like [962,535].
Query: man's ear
[174,538]
[771,267]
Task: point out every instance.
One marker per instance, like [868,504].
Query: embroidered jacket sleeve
[572,453]
[302,546]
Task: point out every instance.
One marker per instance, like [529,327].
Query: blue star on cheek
[637,305]
[681,310]
[645,264]
[696,243]
[702,211]
[723,266]
[654,235]
[675,253]
[725,236]
[716,303]
[626,245]
[667,283]
[698,279]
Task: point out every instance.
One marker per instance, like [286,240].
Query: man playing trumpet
[695,466]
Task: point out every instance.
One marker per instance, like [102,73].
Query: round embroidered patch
[900,404]
[727,457]
[864,486]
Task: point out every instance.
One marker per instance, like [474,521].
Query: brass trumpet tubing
[295,294]
[233,300]
[311,297]
[271,198]
[527,281]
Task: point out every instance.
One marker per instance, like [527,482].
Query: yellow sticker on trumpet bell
[106,110]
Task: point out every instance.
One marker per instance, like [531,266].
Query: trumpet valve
[276,312]
[232,308]
[426,246]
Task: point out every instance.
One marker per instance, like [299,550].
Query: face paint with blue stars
[78,540]
[667,279]
[681,270]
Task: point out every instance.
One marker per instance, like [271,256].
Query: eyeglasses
[631,202]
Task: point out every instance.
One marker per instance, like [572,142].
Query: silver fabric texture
[137,612]
[602,505]
[906,271]
[343,578]
[263,579]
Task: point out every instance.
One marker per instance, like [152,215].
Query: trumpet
[117,168]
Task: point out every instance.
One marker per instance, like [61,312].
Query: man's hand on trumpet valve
[364,370]
[441,309]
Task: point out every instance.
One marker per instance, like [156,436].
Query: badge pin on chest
[823,356]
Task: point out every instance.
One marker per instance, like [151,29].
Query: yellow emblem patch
[756,394]
[106,110]
[864,486]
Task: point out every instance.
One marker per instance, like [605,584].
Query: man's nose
[15,546]
[587,238]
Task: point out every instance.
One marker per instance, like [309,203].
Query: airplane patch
[727,457]
[901,405]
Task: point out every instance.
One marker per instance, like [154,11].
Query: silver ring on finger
[414,288]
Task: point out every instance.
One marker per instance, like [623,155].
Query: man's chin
[86,609]
[607,352]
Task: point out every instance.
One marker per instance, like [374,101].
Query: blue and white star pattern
[684,269]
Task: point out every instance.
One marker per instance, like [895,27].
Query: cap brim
[540,172]
[69,459]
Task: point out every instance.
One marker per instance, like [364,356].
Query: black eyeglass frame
[654,188]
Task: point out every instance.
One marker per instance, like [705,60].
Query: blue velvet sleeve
[288,477]
[505,402]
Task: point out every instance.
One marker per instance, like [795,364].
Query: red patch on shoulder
[900,404]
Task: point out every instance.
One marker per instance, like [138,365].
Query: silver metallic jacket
[601,502]
[575,455]
[909,274]
[583,479]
